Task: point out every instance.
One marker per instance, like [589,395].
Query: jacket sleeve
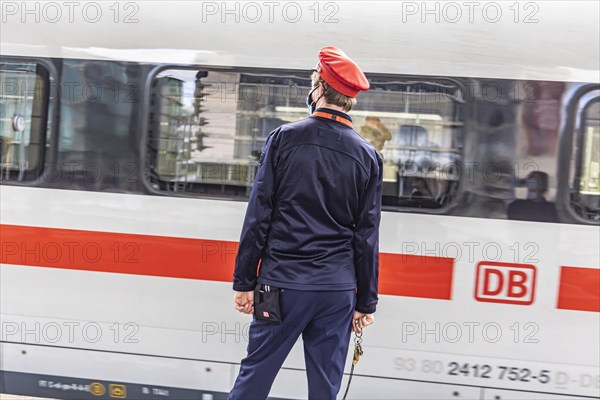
[366,241]
[257,222]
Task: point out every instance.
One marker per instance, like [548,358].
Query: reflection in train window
[417,128]
[23,119]
[208,128]
[585,188]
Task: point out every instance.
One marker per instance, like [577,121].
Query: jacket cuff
[243,288]
[365,310]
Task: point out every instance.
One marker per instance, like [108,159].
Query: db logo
[505,283]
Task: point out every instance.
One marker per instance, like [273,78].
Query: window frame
[459,84]
[144,151]
[573,130]
[48,148]
[392,78]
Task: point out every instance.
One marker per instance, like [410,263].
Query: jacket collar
[334,115]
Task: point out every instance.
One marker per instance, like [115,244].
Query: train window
[23,119]
[417,128]
[208,128]
[585,187]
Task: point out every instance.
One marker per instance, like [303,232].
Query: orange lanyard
[336,118]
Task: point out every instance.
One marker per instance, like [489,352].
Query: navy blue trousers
[324,320]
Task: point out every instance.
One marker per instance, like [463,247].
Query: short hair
[331,95]
[541,180]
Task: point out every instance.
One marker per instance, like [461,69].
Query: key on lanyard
[358,351]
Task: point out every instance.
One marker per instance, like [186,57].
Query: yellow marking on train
[97,389]
[117,391]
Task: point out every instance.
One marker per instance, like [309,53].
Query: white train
[130,133]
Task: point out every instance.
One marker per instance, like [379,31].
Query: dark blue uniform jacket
[313,213]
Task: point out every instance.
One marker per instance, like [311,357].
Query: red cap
[340,72]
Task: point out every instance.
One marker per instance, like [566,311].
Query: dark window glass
[23,119]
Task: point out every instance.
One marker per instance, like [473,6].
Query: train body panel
[166,323]
[486,41]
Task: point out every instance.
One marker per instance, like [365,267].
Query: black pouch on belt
[266,304]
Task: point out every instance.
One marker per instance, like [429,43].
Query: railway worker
[312,221]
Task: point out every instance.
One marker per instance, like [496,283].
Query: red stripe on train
[416,276]
[399,274]
[579,289]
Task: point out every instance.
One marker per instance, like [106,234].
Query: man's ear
[321,89]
